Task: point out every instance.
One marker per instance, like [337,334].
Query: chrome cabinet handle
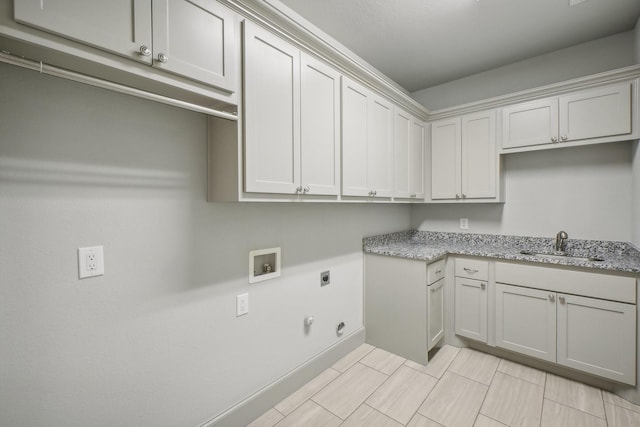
[554,139]
[163,58]
[372,193]
[145,51]
[412,195]
[438,271]
[561,299]
[552,298]
[471,270]
[564,137]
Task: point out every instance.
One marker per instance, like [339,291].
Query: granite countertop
[429,246]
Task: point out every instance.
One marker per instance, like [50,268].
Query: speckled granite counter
[429,246]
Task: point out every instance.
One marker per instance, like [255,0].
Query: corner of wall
[635,195]
[636,37]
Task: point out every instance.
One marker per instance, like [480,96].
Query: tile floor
[460,387]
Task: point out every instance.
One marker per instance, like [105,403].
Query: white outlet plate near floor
[90,262]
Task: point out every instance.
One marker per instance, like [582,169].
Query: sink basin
[561,255]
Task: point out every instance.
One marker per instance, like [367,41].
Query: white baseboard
[266,398]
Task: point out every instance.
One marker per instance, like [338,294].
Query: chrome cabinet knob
[306,189]
[564,137]
[163,58]
[483,285]
[552,298]
[457,196]
[145,51]
[412,195]
[554,139]
[299,190]
[464,196]
[561,299]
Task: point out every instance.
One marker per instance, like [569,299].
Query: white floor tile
[366,416]
[402,394]
[475,365]
[557,415]
[574,394]
[483,421]
[619,401]
[455,401]
[288,405]
[268,419]
[310,414]
[438,364]
[421,421]
[617,416]
[513,401]
[523,372]
[383,361]
[344,394]
[352,358]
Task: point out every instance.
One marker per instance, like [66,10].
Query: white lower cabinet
[471,304]
[435,313]
[597,336]
[538,314]
[526,321]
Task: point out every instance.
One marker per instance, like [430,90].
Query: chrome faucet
[561,241]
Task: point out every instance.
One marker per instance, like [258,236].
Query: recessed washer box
[264,264]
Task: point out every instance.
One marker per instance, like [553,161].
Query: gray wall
[155,341]
[636,161]
[583,190]
[581,60]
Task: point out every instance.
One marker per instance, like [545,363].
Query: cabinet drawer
[590,284]
[472,268]
[435,271]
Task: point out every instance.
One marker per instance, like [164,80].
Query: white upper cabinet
[271,112]
[446,160]
[530,123]
[319,127]
[479,156]
[596,113]
[121,27]
[367,142]
[592,115]
[292,118]
[464,160]
[408,141]
[193,39]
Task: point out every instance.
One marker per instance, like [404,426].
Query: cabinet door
[119,26]
[471,309]
[530,123]
[355,105]
[526,321]
[380,146]
[197,38]
[598,337]
[445,159]
[271,113]
[595,113]
[417,159]
[319,127]
[435,312]
[401,154]
[479,156]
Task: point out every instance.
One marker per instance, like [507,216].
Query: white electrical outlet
[242,305]
[90,262]
[464,223]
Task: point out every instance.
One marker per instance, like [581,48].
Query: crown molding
[613,76]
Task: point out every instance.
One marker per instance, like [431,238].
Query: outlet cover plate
[325,278]
[242,304]
[90,262]
[464,223]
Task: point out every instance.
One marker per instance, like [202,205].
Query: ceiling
[423,43]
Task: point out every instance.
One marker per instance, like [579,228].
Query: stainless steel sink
[561,255]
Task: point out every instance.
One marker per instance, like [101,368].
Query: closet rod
[43,68]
